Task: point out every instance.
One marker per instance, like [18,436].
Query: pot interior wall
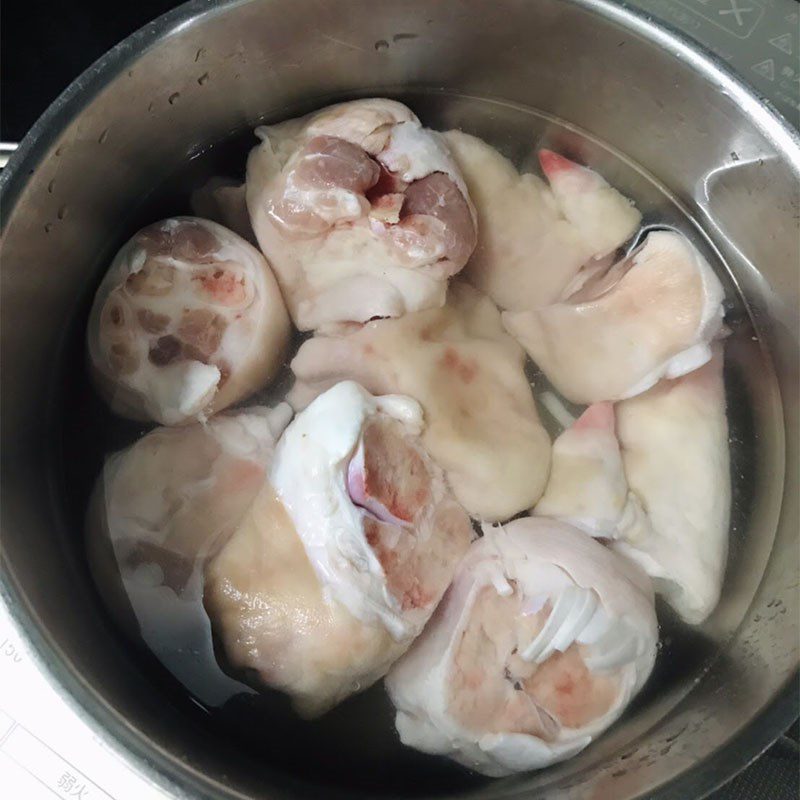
[83,184]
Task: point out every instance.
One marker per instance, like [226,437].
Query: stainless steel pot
[207,69]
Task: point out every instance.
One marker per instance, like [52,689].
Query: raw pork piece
[619,330]
[187,320]
[223,200]
[159,511]
[533,239]
[344,555]
[671,460]
[674,442]
[537,647]
[482,426]
[361,211]
[587,486]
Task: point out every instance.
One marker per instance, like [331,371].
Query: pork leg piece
[537,647]
[482,426]
[344,555]
[187,321]
[618,331]
[658,487]
[159,511]
[223,200]
[361,211]
[674,442]
[587,487]
[533,238]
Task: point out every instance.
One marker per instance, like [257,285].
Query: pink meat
[326,168]
[189,241]
[554,163]
[358,222]
[327,162]
[599,416]
[437,196]
[393,479]
[388,475]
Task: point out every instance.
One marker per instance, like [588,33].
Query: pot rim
[149,760]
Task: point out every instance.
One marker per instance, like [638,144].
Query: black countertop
[47,43]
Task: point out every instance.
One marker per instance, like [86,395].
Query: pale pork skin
[160,510]
[675,449]
[620,329]
[173,497]
[656,484]
[482,426]
[188,320]
[587,486]
[361,211]
[271,614]
[223,200]
[538,646]
[534,237]
[344,555]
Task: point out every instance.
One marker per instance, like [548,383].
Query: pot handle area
[6,151]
